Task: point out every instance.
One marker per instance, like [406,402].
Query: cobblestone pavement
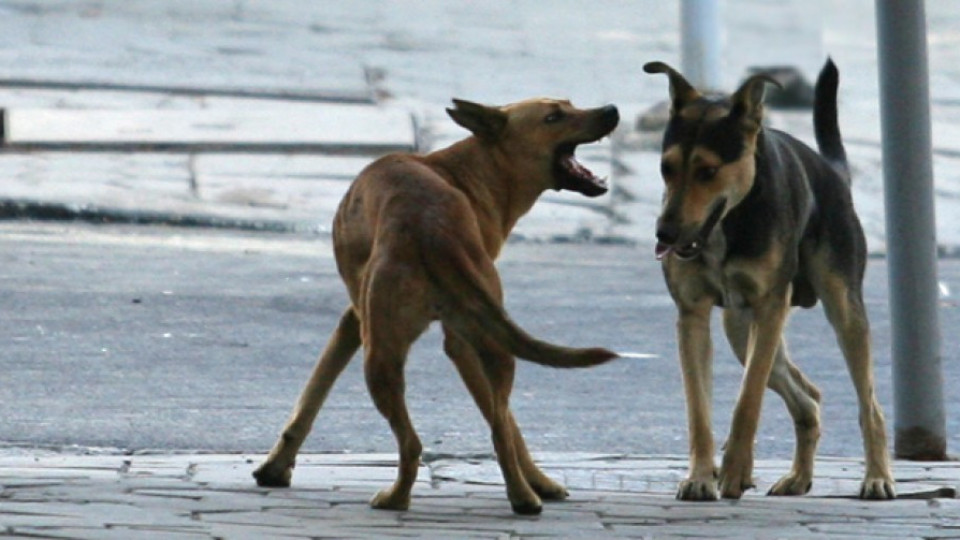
[212,496]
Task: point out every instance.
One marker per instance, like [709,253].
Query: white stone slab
[323,126]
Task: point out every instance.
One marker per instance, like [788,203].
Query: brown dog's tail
[471,310]
[826,126]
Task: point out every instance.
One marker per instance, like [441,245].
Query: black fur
[825,124]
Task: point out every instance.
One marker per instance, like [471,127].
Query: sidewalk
[281,62]
[213,496]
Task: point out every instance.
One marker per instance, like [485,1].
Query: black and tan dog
[415,238]
[755,222]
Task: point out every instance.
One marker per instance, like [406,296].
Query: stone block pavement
[60,495]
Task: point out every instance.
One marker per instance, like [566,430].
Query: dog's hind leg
[384,373]
[469,365]
[801,397]
[278,467]
[846,313]
[499,367]
[391,322]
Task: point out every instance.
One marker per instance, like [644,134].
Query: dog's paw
[527,508]
[273,475]
[736,472]
[734,480]
[698,489]
[549,490]
[878,488]
[791,485]
[733,488]
[524,500]
[389,499]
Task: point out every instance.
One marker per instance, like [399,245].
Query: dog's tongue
[582,179]
[662,250]
[576,168]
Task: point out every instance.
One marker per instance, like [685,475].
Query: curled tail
[826,126]
[471,311]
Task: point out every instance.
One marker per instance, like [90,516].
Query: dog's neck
[487,178]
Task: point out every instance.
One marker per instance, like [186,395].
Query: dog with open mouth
[415,238]
[755,222]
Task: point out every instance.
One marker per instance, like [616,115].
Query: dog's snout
[668,233]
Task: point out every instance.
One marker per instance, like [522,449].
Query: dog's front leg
[736,471]
[696,361]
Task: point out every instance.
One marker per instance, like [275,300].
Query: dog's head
[708,159]
[539,137]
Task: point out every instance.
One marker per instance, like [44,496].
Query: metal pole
[700,43]
[919,424]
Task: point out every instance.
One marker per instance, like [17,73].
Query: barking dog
[415,238]
[755,222]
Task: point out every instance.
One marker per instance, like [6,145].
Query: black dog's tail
[826,127]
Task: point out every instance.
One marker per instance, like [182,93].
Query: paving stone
[100,533]
[159,495]
[242,532]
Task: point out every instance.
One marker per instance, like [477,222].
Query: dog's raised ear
[681,91]
[747,101]
[485,122]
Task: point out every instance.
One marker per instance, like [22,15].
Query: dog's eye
[553,117]
[666,170]
[705,174]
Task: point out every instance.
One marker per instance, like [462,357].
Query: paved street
[158,338]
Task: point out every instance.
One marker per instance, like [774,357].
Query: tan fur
[415,238]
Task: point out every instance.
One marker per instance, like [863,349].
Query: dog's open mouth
[572,175]
[684,253]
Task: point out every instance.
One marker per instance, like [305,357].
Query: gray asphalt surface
[156,338]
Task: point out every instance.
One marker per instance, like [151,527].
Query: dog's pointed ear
[681,91]
[485,122]
[748,99]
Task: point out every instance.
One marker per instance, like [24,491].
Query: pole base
[920,444]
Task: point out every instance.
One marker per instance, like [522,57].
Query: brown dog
[415,238]
[754,221]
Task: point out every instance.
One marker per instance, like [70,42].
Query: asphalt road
[153,338]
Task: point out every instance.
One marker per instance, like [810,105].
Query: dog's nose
[610,113]
[668,233]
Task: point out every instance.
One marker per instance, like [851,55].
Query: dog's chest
[731,283]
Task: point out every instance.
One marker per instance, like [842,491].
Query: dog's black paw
[527,509]
[268,475]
